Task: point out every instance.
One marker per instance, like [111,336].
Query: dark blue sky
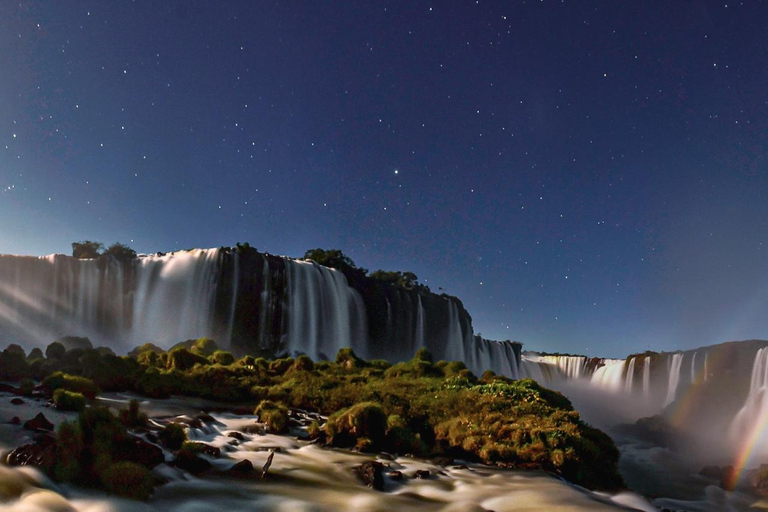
[586,176]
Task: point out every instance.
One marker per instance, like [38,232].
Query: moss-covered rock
[274,415]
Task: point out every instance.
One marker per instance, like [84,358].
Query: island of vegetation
[419,407]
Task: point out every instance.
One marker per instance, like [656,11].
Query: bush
[69,450]
[68,400]
[132,417]
[182,359]
[223,358]
[55,351]
[172,436]
[274,415]
[366,419]
[72,383]
[129,480]
[347,359]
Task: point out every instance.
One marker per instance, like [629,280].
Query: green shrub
[172,436]
[132,417]
[366,419]
[68,400]
[72,383]
[182,359]
[347,359]
[223,358]
[129,480]
[280,366]
[26,387]
[69,450]
[274,415]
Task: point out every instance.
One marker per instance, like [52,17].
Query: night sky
[587,177]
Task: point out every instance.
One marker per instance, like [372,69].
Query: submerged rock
[191,462]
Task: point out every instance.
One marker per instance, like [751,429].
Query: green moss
[68,400]
[363,420]
[173,436]
[274,415]
[72,383]
[222,357]
[69,450]
[129,480]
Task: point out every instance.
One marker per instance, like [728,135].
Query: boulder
[395,475]
[190,462]
[241,469]
[41,454]
[17,401]
[138,451]
[370,473]
[236,435]
[205,449]
[39,423]
[421,473]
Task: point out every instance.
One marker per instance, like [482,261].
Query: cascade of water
[646,378]
[693,368]
[706,357]
[748,423]
[630,376]
[610,376]
[233,302]
[324,313]
[674,378]
[419,334]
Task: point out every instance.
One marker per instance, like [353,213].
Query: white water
[609,377]
[647,378]
[674,378]
[323,313]
[748,424]
[306,478]
[629,377]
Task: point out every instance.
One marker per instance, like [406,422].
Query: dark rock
[41,454]
[190,462]
[758,480]
[395,475]
[7,388]
[152,438]
[386,456]
[206,418]
[139,451]
[370,473]
[17,401]
[421,473]
[206,449]
[728,478]
[39,423]
[714,472]
[242,411]
[15,420]
[442,461]
[237,435]
[242,468]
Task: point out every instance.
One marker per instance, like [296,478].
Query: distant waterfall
[674,378]
[630,376]
[647,378]
[747,425]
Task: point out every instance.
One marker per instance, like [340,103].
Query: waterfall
[419,334]
[266,301]
[693,368]
[706,357]
[323,313]
[630,376]
[674,378]
[647,378]
[749,422]
[609,377]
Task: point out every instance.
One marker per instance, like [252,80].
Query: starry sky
[586,176]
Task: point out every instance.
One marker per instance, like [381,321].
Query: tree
[407,280]
[334,258]
[120,252]
[86,249]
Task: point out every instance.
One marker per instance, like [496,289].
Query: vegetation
[419,407]
[88,249]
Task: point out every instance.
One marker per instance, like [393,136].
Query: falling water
[748,424]
[419,334]
[647,378]
[693,368]
[609,377]
[324,313]
[630,376]
[674,378]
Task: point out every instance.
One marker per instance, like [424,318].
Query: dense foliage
[418,407]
